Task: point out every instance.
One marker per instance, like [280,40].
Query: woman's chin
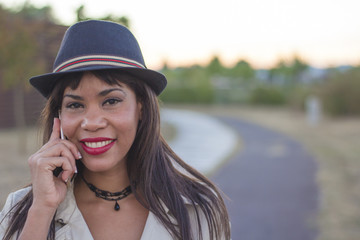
[98,166]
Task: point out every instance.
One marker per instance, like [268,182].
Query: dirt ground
[334,142]
[14,172]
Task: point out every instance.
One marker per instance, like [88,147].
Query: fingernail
[66,180]
[79,155]
[76,170]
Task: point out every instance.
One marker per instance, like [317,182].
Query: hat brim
[46,82]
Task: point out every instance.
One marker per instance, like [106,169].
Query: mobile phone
[61,130]
[58,170]
[61,133]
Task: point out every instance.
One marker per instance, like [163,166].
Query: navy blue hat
[97,45]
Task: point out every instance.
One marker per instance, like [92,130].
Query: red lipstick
[96,146]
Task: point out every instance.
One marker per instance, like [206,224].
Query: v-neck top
[70,224]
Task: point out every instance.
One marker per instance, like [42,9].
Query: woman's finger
[70,152]
[71,146]
[51,163]
[73,149]
[47,188]
[60,149]
[55,134]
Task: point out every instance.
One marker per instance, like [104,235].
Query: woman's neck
[112,181]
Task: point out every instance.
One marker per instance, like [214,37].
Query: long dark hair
[151,168]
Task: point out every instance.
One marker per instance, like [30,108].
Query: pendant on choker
[117,206]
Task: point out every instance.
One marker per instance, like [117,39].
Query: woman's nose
[93,121]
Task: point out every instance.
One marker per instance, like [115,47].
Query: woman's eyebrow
[76,97]
[107,91]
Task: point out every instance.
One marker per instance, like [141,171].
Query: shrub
[340,93]
[267,95]
[187,95]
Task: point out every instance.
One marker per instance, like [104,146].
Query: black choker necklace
[116,196]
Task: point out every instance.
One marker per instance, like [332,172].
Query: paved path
[271,184]
[202,141]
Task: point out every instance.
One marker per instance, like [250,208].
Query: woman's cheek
[69,127]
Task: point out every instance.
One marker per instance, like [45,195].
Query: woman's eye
[111,101]
[74,105]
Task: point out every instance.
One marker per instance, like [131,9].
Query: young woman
[104,171]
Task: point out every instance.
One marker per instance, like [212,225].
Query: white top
[70,223]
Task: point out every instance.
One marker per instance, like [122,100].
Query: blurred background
[290,66]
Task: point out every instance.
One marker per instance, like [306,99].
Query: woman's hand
[48,190]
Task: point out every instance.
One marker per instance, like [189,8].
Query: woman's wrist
[40,203]
[42,210]
[37,222]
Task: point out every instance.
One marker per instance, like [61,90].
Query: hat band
[91,60]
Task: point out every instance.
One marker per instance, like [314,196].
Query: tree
[243,70]
[279,74]
[215,67]
[81,16]
[31,13]
[20,56]
[297,68]
[288,72]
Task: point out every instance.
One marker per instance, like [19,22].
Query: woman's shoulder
[14,198]
[11,200]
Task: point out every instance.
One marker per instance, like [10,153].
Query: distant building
[33,101]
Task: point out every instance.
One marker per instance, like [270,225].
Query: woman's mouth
[96,146]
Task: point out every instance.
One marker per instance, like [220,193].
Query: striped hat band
[92,60]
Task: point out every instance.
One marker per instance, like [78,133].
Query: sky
[323,33]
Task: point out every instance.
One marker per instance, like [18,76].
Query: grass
[335,143]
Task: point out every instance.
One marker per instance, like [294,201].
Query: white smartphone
[61,130]
[58,170]
[61,133]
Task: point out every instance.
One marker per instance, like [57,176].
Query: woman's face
[101,120]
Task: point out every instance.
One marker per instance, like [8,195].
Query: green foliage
[243,70]
[190,85]
[30,12]
[297,67]
[216,83]
[340,93]
[297,96]
[22,45]
[20,48]
[215,67]
[288,72]
[186,95]
[267,95]
[81,16]
[208,84]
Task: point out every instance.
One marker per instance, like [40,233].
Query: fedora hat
[98,45]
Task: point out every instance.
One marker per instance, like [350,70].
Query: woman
[104,171]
